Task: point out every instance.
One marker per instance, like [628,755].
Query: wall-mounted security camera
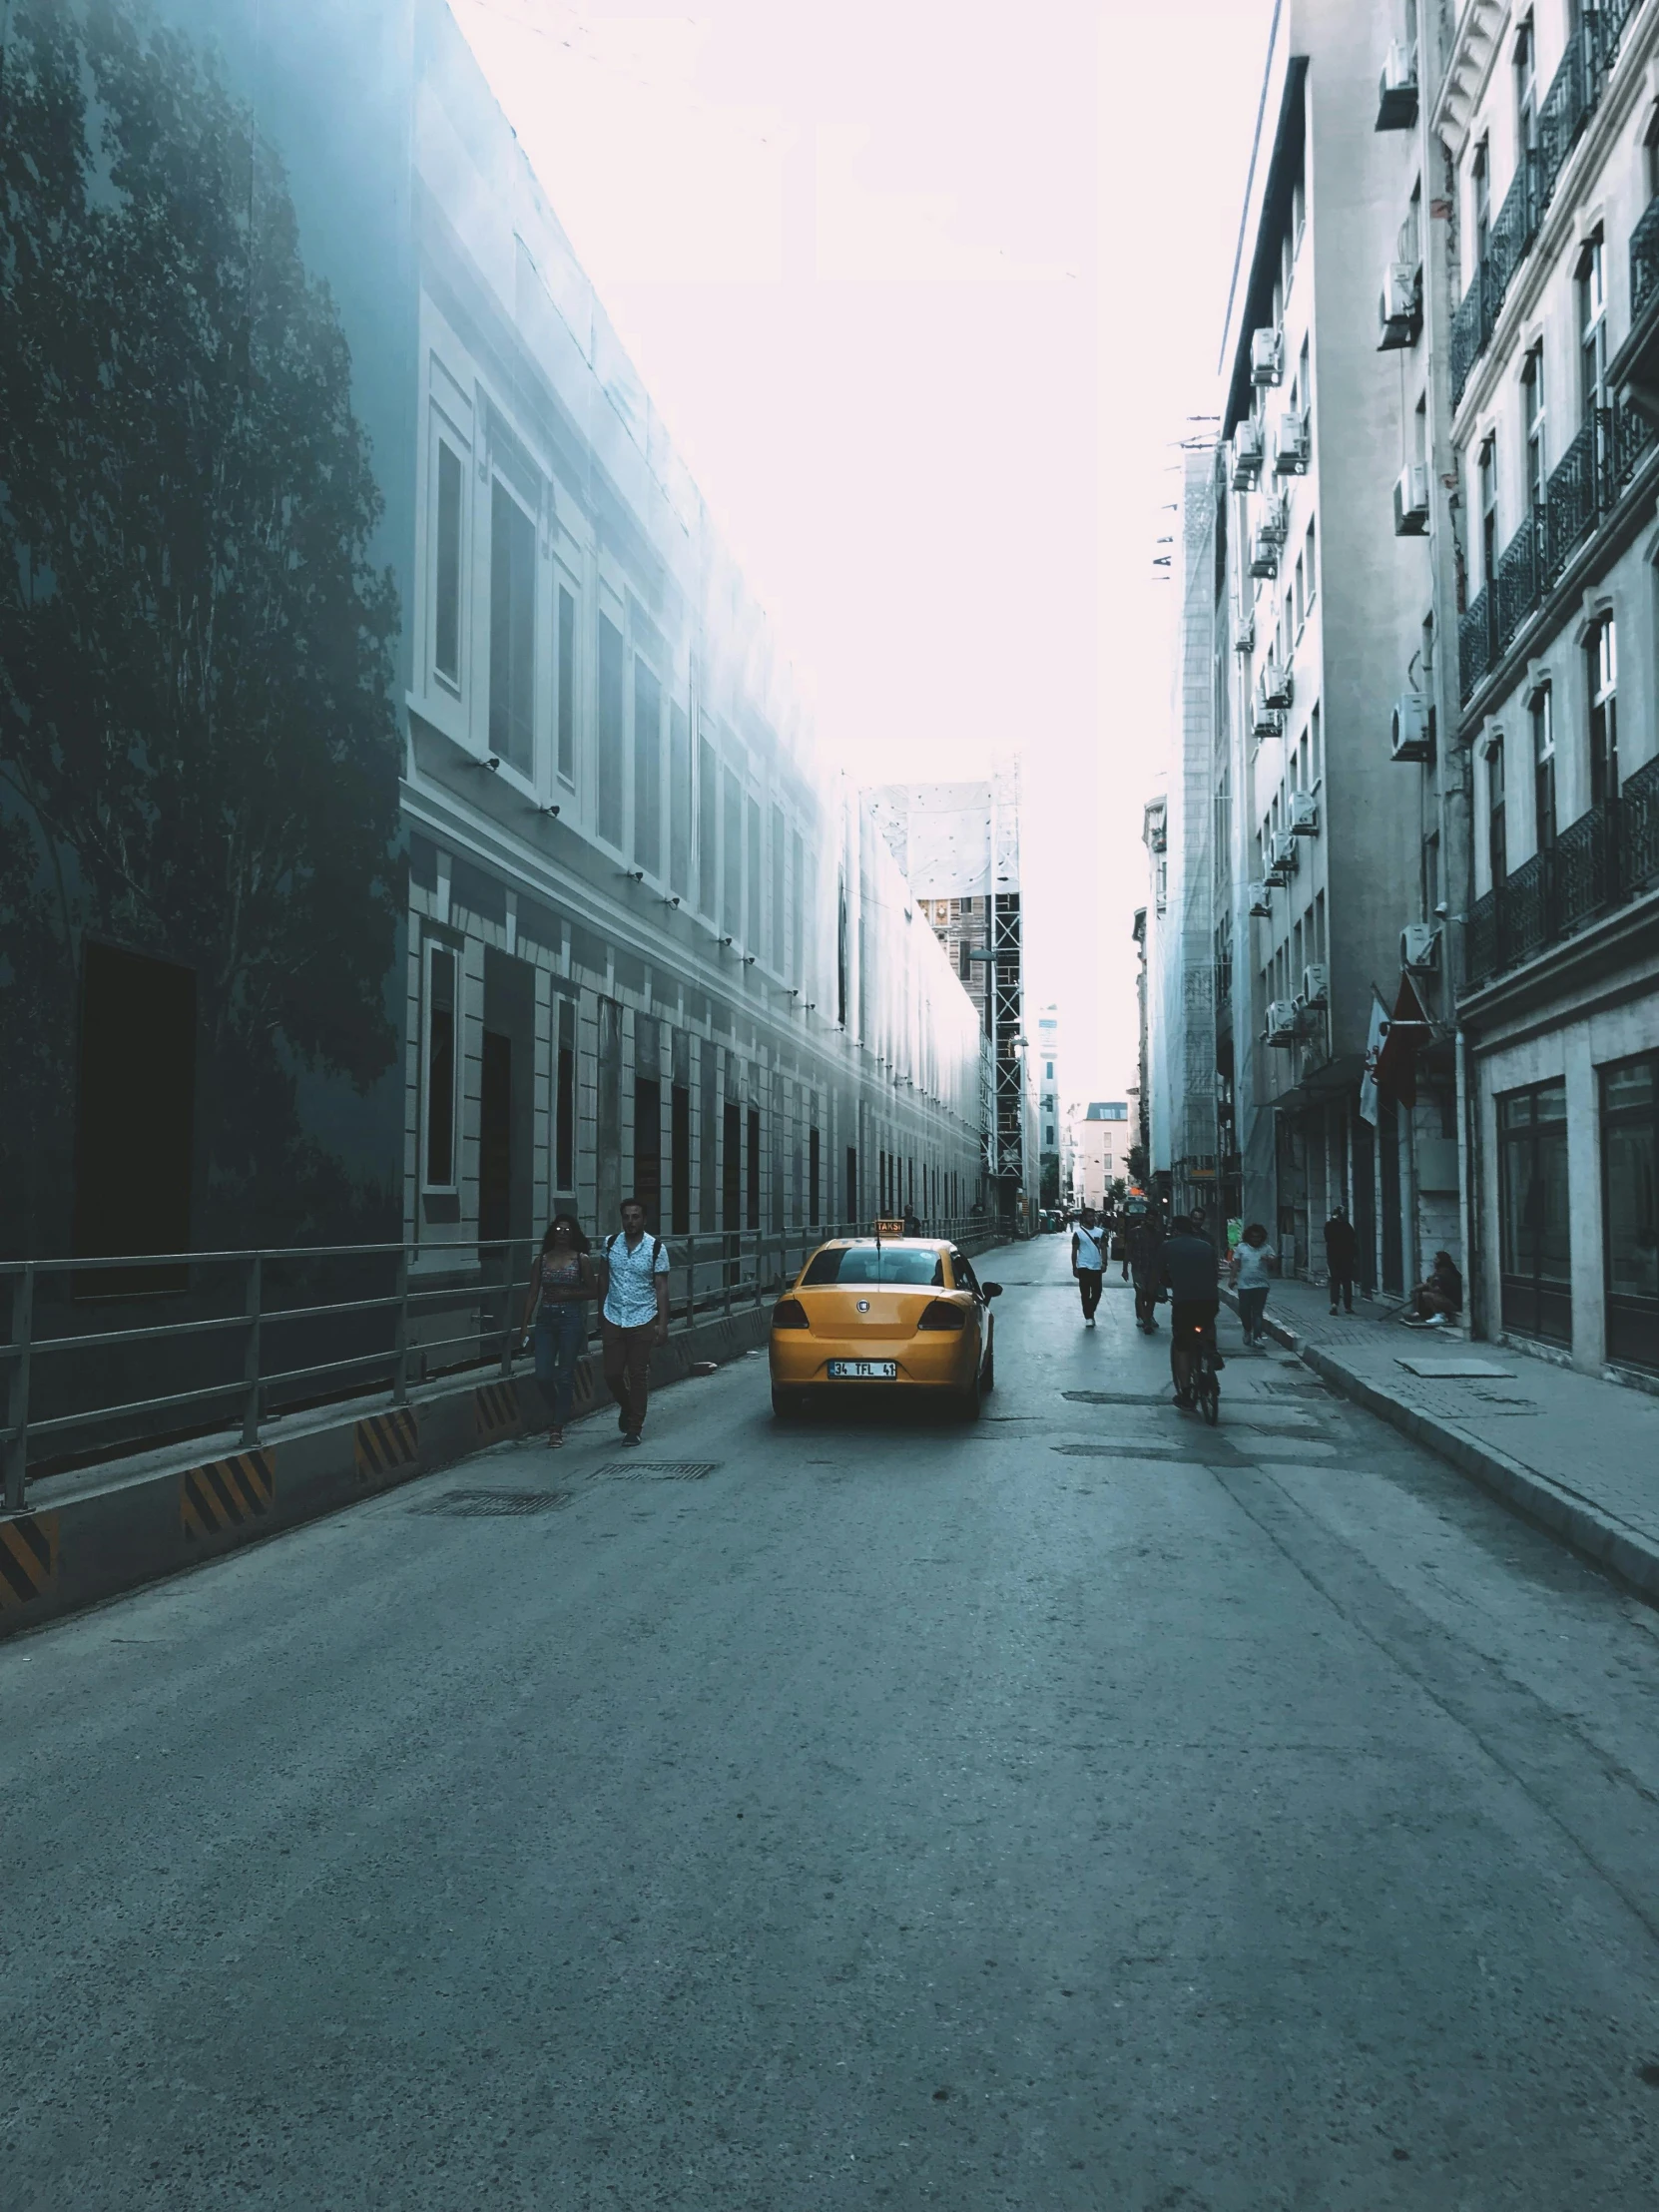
[634,875]
[748,959]
[726,940]
[671,901]
[491,760]
[547,810]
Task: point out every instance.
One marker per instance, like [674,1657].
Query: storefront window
[1629,1150]
[1533,1245]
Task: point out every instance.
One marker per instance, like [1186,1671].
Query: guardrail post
[251,1356]
[401,1369]
[17,1387]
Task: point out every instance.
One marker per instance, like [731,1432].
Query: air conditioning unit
[1412,735]
[1261,899]
[1399,313]
[1267,356]
[1265,721]
[1244,637]
[1420,947]
[1276,517]
[1284,1021]
[1282,858]
[1305,814]
[1246,454]
[1411,503]
[1290,444]
[1316,987]
[1277,687]
[1264,554]
[1397,99]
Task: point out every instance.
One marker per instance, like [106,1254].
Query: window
[648,770]
[730,915]
[1497,843]
[1048,1070]
[776,949]
[1312,566]
[564,1100]
[567,685]
[1487,467]
[1603,658]
[753,1210]
[512,630]
[1480,171]
[1544,770]
[1526,89]
[707,828]
[1650,156]
[1299,207]
[1532,407]
[135,1117]
[798,907]
[609,811]
[876,1263]
[679,1160]
[446,611]
[441,1067]
[679,802]
[752,876]
[648,1148]
[1534,1257]
[1301,592]
[812,1172]
[1315,752]
[1430,875]
[1631,1211]
[1593,327]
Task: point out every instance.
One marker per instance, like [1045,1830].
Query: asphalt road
[1083,1810]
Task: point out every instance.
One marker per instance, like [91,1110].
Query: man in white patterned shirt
[633,1315]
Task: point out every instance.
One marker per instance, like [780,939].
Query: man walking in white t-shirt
[1088,1261]
[633,1315]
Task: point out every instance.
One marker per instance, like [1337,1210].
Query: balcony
[1584,489]
[1601,861]
[1573,96]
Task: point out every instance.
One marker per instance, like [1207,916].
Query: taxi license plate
[864,1371]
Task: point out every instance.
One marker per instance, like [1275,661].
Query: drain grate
[1127,1452]
[1117,1398]
[655,1470]
[495,1504]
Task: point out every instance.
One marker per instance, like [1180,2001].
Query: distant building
[1101,1135]
[1053,1137]
[959,845]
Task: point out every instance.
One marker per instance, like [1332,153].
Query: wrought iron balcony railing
[1584,489]
[1572,97]
[1601,861]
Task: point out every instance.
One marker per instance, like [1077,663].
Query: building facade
[1053,1135]
[1549,117]
[1100,1141]
[459,848]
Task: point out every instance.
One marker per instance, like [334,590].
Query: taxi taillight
[938,1313]
[789,1313]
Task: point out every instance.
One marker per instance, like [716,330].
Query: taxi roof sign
[889,1229]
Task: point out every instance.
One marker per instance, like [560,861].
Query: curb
[70,1551]
[1550,1506]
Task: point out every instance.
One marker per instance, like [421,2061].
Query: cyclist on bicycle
[1189,1268]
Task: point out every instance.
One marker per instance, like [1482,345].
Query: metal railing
[1584,489]
[283,1330]
[1573,95]
[1601,861]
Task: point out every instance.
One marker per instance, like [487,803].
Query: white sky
[924,290]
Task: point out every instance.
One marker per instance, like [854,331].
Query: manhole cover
[495,1504]
[1117,1398]
[1125,1451]
[655,1470]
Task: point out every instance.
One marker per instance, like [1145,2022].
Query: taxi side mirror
[992,1290]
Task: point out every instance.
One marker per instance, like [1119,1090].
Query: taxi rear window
[865,1264]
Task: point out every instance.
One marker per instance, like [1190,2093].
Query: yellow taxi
[883,1313]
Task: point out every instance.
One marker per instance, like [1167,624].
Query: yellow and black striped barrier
[28,1559]
[387,1442]
[495,1409]
[227,1493]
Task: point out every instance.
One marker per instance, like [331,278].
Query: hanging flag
[1374,1052]
[1407,1030]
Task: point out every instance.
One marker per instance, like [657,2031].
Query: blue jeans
[1252,1306]
[561,1339]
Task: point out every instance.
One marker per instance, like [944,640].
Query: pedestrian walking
[1145,1241]
[562,1281]
[1088,1261]
[1341,1258]
[1253,1263]
[633,1315]
[1187,1263]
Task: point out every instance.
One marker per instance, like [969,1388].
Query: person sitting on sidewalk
[633,1315]
[1439,1300]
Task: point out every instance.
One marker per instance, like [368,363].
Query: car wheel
[987,1376]
[787,1405]
[968,1402]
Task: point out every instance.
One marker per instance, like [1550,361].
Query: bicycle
[1203,1381]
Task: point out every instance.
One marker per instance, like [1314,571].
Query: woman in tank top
[561,1282]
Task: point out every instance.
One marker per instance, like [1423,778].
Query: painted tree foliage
[199,756]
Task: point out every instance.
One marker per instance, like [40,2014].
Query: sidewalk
[1578,1456]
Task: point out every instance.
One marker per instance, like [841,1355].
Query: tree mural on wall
[198,752]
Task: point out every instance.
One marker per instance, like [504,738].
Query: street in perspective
[829,1106]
